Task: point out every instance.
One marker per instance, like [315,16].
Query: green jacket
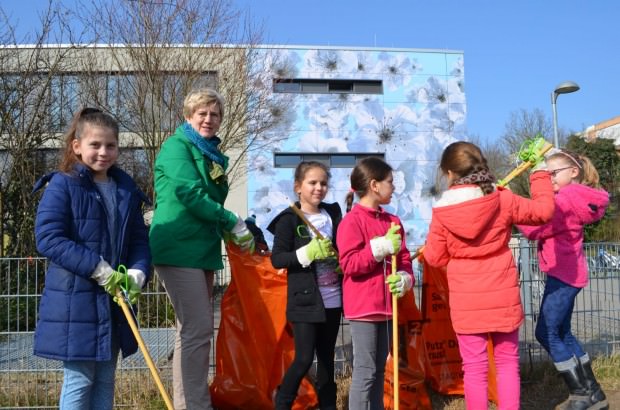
[189,216]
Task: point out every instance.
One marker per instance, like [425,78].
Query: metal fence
[27,381]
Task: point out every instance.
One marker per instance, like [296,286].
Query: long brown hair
[464,158]
[86,116]
[365,171]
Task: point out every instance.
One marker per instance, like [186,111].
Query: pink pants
[473,350]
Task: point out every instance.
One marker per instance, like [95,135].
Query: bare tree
[30,115]
[150,54]
[521,126]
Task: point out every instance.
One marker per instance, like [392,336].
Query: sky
[515,51]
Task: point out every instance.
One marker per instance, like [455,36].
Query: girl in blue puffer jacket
[89,220]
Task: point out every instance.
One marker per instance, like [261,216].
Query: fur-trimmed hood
[480,210]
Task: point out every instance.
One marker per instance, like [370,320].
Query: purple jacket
[560,242]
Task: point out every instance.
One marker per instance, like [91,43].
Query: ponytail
[349,200]
[588,173]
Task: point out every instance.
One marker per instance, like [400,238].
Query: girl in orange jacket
[469,232]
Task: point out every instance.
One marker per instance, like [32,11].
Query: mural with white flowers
[421,110]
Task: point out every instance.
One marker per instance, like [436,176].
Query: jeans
[371,341]
[553,330]
[190,291]
[308,338]
[89,385]
[473,349]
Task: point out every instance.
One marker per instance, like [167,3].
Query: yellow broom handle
[145,352]
[301,215]
[396,387]
[522,167]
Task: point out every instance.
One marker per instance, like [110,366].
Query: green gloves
[108,277]
[385,245]
[241,236]
[399,283]
[136,279]
[115,281]
[316,249]
[130,281]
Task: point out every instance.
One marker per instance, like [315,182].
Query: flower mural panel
[421,109]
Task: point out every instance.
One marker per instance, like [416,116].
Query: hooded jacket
[560,242]
[364,291]
[469,232]
[189,216]
[303,301]
[77,317]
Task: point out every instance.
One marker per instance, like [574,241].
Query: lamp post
[562,88]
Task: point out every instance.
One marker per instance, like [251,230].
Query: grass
[541,388]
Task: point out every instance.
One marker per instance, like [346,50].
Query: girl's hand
[316,249]
[399,283]
[387,244]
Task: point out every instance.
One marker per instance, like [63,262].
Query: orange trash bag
[254,347]
[444,366]
[412,392]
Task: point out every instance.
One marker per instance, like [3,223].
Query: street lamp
[562,88]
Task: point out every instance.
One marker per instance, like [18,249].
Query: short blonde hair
[202,97]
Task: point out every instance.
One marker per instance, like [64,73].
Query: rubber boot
[597,396]
[327,396]
[578,398]
[283,401]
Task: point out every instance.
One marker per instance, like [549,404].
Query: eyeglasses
[555,172]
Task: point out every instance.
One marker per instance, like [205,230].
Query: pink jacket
[560,242]
[364,291]
[469,233]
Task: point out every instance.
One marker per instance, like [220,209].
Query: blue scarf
[208,147]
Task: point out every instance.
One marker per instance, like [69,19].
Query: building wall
[421,110]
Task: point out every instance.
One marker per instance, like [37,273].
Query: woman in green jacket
[188,224]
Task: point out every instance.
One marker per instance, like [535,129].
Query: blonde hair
[202,97]
[588,175]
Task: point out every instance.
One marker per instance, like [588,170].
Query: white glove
[242,236]
[102,272]
[399,283]
[541,166]
[148,217]
[138,276]
[387,244]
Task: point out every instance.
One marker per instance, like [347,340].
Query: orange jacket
[469,233]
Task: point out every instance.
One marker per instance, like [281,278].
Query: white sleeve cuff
[407,280]
[302,256]
[381,247]
[137,275]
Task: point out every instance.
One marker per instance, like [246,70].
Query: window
[332,160]
[327,86]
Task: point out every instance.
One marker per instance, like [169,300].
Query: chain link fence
[27,381]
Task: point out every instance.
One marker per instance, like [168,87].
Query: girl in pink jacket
[578,202]
[469,232]
[367,238]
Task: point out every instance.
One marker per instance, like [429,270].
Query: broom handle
[143,349]
[301,215]
[395,338]
[522,167]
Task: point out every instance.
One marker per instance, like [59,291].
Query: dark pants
[311,337]
[553,329]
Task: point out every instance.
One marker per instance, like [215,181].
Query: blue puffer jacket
[77,318]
